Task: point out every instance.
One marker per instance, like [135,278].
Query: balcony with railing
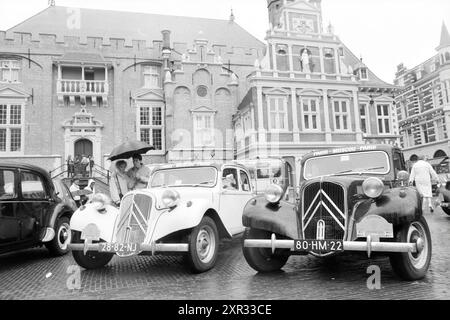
[82,78]
[85,87]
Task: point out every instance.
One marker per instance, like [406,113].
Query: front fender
[445,194]
[396,206]
[280,219]
[57,211]
[105,221]
[185,216]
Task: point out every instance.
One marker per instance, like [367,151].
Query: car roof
[14,165]
[356,148]
[217,165]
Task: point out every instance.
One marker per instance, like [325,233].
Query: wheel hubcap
[417,235]
[206,244]
[63,236]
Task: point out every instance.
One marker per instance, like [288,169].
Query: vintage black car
[351,199]
[34,210]
[444,195]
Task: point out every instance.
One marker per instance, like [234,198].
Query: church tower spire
[444,45]
[445,37]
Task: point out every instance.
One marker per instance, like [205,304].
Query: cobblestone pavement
[32,274]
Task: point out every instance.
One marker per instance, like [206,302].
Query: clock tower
[300,16]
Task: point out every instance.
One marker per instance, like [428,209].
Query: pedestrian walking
[422,174]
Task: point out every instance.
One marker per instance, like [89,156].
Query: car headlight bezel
[373,187]
[274,193]
[170,198]
[99,202]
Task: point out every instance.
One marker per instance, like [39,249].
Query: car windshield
[201,176]
[376,162]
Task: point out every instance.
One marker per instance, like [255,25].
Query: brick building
[310,91]
[80,81]
[423,104]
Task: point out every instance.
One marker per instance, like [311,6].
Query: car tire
[413,266]
[91,260]
[446,211]
[261,259]
[58,246]
[203,246]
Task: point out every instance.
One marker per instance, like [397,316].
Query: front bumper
[153,248]
[368,246]
[445,204]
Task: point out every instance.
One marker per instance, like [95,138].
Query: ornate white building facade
[423,104]
[310,91]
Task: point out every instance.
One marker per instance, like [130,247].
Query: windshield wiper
[203,183]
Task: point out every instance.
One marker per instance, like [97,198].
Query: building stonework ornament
[305,61]
[303,25]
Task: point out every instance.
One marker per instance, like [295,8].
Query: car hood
[186,193]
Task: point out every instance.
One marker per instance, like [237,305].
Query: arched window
[440,154]
[282,57]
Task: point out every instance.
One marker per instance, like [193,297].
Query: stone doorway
[83,147]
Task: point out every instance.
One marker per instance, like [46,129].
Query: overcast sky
[384,32]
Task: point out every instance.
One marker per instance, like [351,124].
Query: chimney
[166,39]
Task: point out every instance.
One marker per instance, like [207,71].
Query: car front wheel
[58,246]
[203,246]
[262,259]
[413,266]
[91,260]
[446,210]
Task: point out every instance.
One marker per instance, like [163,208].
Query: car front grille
[133,220]
[324,211]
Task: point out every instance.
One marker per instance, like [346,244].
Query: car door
[233,198]
[34,206]
[9,223]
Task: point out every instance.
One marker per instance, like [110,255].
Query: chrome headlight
[273,193]
[373,187]
[100,201]
[170,198]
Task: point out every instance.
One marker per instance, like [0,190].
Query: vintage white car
[187,208]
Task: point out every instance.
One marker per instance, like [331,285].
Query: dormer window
[419,74]
[363,74]
[433,67]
